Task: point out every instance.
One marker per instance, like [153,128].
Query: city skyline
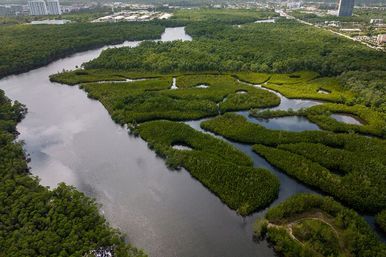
[41,7]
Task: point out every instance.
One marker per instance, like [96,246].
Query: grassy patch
[148,100]
[311,89]
[87,76]
[219,166]
[247,99]
[373,122]
[223,89]
[313,225]
[292,78]
[301,85]
[151,99]
[349,167]
[253,77]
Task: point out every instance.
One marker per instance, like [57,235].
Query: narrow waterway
[288,185]
[72,139]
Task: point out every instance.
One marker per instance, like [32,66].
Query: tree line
[284,46]
[24,47]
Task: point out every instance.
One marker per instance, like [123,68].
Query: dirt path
[319,216]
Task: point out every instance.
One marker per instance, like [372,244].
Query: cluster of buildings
[41,7]
[378,41]
[140,15]
[345,7]
[294,5]
[131,6]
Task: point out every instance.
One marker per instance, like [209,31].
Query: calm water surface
[346,118]
[290,123]
[72,139]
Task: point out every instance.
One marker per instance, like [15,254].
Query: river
[71,138]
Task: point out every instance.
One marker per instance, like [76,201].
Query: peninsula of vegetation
[312,225]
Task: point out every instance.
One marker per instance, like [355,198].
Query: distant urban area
[361,23]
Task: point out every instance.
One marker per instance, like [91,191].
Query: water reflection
[346,118]
[286,103]
[173,34]
[290,123]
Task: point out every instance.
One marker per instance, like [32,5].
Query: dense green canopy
[320,227]
[24,47]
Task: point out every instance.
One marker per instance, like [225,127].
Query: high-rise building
[37,7]
[53,7]
[345,7]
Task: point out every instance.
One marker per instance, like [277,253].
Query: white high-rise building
[345,7]
[53,7]
[37,7]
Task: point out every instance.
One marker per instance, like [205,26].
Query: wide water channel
[72,139]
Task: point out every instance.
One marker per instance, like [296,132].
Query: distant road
[284,14]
